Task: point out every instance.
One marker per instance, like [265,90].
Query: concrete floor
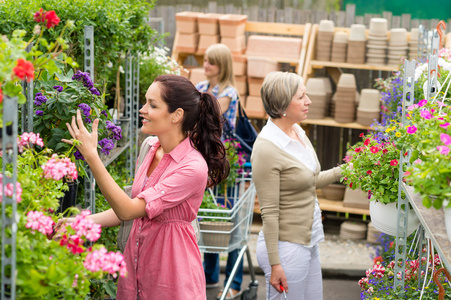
[333,288]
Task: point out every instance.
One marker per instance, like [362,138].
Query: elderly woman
[287,173]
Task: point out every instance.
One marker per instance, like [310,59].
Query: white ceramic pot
[447,211]
[385,218]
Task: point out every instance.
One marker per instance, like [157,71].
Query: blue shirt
[229,91]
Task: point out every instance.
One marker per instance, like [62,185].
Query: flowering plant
[45,267]
[373,167]
[57,99]
[17,64]
[429,137]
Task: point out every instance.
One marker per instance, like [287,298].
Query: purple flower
[58,88]
[78,155]
[39,99]
[39,112]
[103,112]
[84,78]
[115,130]
[88,120]
[85,108]
[107,145]
[94,91]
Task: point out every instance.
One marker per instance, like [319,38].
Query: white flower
[109,64]
[121,70]
[37,29]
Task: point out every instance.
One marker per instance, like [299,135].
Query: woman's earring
[284,114]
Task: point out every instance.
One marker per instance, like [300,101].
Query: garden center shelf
[337,206]
[114,154]
[433,222]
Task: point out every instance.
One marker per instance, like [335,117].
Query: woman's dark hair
[202,120]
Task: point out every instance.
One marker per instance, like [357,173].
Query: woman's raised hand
[78,131]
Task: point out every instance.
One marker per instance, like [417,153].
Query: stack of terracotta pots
[377,42]
[339,46]
[324,40]
[187,29]
[232,28]
[345,99]
[397,46]
[208,30]
[413,43]
[356,44]
[353,230]
[369,107]
[316,90]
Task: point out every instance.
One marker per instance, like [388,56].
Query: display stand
[432,227]
[262,28]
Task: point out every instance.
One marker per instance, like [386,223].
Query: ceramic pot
[385,218]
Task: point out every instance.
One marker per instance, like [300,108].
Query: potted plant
[48,267]
[373,167]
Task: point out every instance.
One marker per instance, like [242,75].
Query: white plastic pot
[385,218]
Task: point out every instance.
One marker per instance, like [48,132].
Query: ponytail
[206,138]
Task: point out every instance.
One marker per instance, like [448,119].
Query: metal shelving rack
[9,149]
[431,227]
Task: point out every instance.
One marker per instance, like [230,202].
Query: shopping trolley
[226,230]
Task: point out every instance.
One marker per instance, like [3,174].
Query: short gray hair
[277,91]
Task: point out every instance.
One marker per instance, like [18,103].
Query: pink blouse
[162,256]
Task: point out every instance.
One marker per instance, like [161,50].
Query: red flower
[1,94]
[350,185]
[405,154]
[367,142]
[24,68]
[378,259]
[358,149]
[52,19]
[369,172]
[361,135]
[394,162]
[385,151]
[375,149]
[39,16]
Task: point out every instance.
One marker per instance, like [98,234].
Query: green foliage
[119,26]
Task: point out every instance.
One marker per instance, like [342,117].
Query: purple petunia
[39,112]
[107,145]
[85,108]
[58,88]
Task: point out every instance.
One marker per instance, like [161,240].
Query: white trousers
[302,268]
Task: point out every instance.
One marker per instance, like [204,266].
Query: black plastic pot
[70,197]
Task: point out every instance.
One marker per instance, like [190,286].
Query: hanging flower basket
[385,218]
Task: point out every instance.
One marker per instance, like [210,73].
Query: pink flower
[440,104]
[445,138]
[443,149]
[412,107]
[411,129]
[407,173]
[36,220]
[367,142]
[9,190]
[444,125]
[361,134]
[358,149]
[100,260]
[56,168]
[347,158]
[422,102]
[369,172]
[425,114]
[378,270]
[86,227]
[27,139]
[394,162]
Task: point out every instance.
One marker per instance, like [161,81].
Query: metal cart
[226,230]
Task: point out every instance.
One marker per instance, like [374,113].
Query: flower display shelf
[433,222]
[332,123]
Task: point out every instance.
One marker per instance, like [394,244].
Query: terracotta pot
[259,67]
[239,65]
[334,192]
[254,108]
[241,84]
[209,23]
[186,22]
[254,85]
[385,218]
[206,41]
[232,25]
[197,75]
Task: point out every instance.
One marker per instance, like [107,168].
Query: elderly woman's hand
[88,141]
[278,278]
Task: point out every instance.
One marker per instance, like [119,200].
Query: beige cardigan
[286,191]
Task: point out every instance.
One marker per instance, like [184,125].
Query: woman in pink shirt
[186,155]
